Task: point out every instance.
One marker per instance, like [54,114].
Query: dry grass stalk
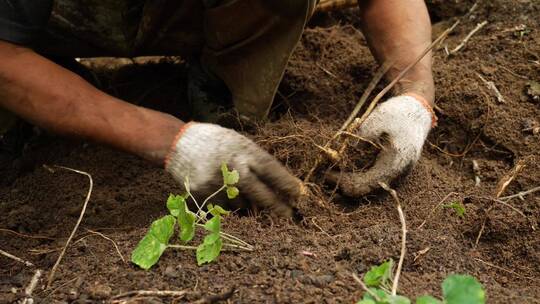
[393,192]
[91,182]
[478,27]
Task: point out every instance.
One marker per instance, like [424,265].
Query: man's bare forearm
[60,101]
[399,31]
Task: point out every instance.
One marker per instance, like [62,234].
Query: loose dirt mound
[326,76]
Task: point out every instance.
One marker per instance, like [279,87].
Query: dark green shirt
[23,21]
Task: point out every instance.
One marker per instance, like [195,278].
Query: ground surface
[327,73]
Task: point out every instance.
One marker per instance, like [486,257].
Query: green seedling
[458,207]
[456,289]
[157,239]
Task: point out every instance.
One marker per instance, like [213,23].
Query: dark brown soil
[326,75]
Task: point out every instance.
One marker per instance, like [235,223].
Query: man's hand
[200,150]
[404,123]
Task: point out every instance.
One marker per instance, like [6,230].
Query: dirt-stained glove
[201,148]
[404,122]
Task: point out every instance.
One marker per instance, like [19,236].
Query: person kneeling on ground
[242,44]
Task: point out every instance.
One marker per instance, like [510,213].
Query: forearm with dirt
[58,100]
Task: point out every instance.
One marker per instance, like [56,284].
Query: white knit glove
[201,148]
[404,122]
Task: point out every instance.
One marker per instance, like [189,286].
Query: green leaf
[381,295]
[463,289]
[398,300]
[210,249]
[174,203]
[217,210]
[154,243]
[232,192]
[214,224]
[366,301]
[427,300]
[229,177]
[458,207]
[379,275]
[186,221]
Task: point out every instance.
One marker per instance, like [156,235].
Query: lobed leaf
[463,289]
[154,243]
[174,203]
[232,192]
[229,177]
[379,275]
[186,222]
[214,224]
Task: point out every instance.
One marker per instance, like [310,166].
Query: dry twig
[520,194]
[110,240]
[53,271]
[39,237]
[28,299]
[509,177]
[11,256]
[155,293]
[504,269]
[491,85]
[403,236]
[478,27]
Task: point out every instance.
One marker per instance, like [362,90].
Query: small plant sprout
[456,289]
[458,207]
[158,237]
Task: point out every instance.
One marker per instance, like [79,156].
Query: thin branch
[478,27]
[91,186]
[371,86]
[155,293]
[403,236]
[503,269]
[520,194]
[38,237]
[110,240]
[11,256]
